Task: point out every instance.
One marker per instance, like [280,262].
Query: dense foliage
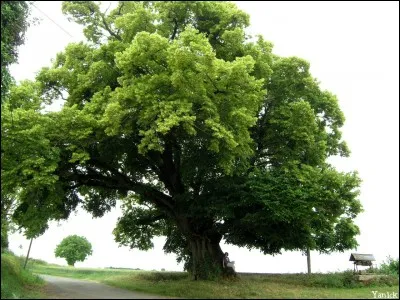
[202,131]
[14,24]
[390,266]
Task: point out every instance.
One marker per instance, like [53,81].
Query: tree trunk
[206,255]
[206,258]
[71,264]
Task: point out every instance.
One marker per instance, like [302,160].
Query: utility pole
[308,260]
[27,256]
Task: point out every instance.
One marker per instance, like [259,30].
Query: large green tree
[201,131]
[74,248]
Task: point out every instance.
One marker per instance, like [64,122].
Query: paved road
[68,288]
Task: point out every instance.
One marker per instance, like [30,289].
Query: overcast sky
[353,49]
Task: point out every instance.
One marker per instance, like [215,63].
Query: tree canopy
[74,248]
[200,130]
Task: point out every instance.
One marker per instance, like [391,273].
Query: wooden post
[308,261]
[27,256]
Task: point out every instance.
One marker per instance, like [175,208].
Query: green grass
[17,283]
[178,284]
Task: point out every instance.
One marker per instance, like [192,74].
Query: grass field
[177,284]
[17,283]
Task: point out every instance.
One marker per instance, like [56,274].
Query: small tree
[74,248]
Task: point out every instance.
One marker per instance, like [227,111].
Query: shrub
[390,266]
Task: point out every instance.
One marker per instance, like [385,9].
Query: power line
[52,20]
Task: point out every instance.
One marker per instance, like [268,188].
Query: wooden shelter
[361,260]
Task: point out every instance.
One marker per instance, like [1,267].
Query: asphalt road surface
[68,288]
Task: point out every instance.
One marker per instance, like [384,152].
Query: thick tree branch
[119,13]
[59,93]
[106,27]
[120,8]
[148,220]
[170,168]
[120,181]
[175,29]
[103,165]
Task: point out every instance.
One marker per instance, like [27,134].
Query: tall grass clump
[16,282]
